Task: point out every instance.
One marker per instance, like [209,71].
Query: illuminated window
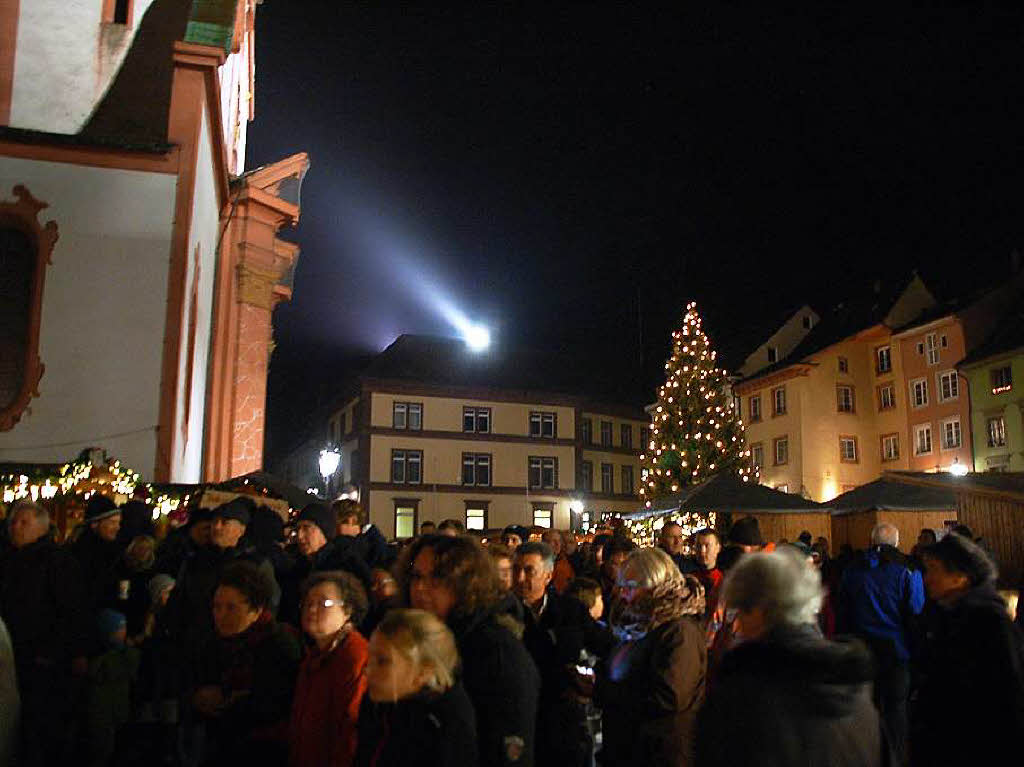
[542,514]
[405,518]
[476,515]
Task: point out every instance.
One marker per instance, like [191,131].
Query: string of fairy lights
[695,431]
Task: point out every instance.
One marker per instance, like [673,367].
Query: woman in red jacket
[331,678]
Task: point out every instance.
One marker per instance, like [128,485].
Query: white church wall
[104,299]
[65,60]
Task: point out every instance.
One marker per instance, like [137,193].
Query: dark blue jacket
[879,594]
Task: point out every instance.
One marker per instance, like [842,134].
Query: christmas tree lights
[695,431]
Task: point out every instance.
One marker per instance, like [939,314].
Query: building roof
[1008,336]
[843,321]
[728,492]
[447,362]
[994,483]
[889,494]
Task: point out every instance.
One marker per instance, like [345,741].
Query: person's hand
[209,700]
[80,666]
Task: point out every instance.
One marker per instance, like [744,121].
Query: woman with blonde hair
[416,712]
[653,682]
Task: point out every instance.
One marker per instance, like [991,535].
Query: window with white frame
[476,469]
[922,439]
[997,432]
[542,515]
[755,408]
[606,433]
[890,447]
[779,401]
[407,466]
[949,386]
[607,470]
[886,397]
[476,420]
[848,449]
[476,515]
[951,433]
[542,425]
[883,359]
[405,519]
[931,347]
[781,445]
[919,392]
[407,415]
[757,454]
[543,472]
[844,397]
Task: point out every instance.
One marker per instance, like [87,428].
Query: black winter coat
[43,602]
[335,555]
[426,730]
[503,684]
[792,698]
[100,562]
[970,675]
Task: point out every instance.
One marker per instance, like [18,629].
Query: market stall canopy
[266,484]
[889,494]
[728,492]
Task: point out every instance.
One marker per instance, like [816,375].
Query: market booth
[724,498]
[909,507]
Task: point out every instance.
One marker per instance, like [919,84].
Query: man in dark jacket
[317,552]
[878,599]
[354,533]
[558,629]
[43,601]
[182,543]
[99,551]
[785,696]
[671,541]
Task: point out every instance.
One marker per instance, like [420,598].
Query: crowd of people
[240,639]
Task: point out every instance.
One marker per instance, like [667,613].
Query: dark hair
[461,563]
[617,545]
[500,551]
[586,590]
[805,537]
[249,581]
[545,552]
[350,589]
[963,530]
[728,557]
[427,522]
[962,555]
[345,508]
[928,532]
[705,531]
[452,524]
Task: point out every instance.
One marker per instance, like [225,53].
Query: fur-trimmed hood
[668,602]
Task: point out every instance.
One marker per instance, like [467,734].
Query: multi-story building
[431,430]
[995,375]
[829,416]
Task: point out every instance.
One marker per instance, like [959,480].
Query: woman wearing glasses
[332,678]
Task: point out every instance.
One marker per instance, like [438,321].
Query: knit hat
[108,621]
[321,516]
[746,532]
[158,584]
[239,508]
[100,507]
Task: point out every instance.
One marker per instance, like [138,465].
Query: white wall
[65,60]
[102,323]
[234,105]
[187,453]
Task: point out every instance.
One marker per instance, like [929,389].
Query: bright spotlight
[958,469]
[576,506]
[477,337]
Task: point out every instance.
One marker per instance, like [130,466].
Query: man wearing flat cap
[315,529]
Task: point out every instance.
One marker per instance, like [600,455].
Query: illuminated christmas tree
[695,432]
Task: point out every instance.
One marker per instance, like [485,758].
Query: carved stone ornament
[256,285]
[22,216]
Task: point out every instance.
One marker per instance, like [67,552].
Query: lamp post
[330,459]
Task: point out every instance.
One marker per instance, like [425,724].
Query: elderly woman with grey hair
[653,682]
[784,694]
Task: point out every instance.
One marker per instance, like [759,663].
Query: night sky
[544,172]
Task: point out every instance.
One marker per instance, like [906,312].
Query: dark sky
[541,171]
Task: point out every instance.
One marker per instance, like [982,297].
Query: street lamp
[329,460]
[958,469]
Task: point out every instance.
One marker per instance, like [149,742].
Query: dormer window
[118,11]
[808,322]
[773,354]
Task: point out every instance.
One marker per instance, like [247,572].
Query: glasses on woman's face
[321,604]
